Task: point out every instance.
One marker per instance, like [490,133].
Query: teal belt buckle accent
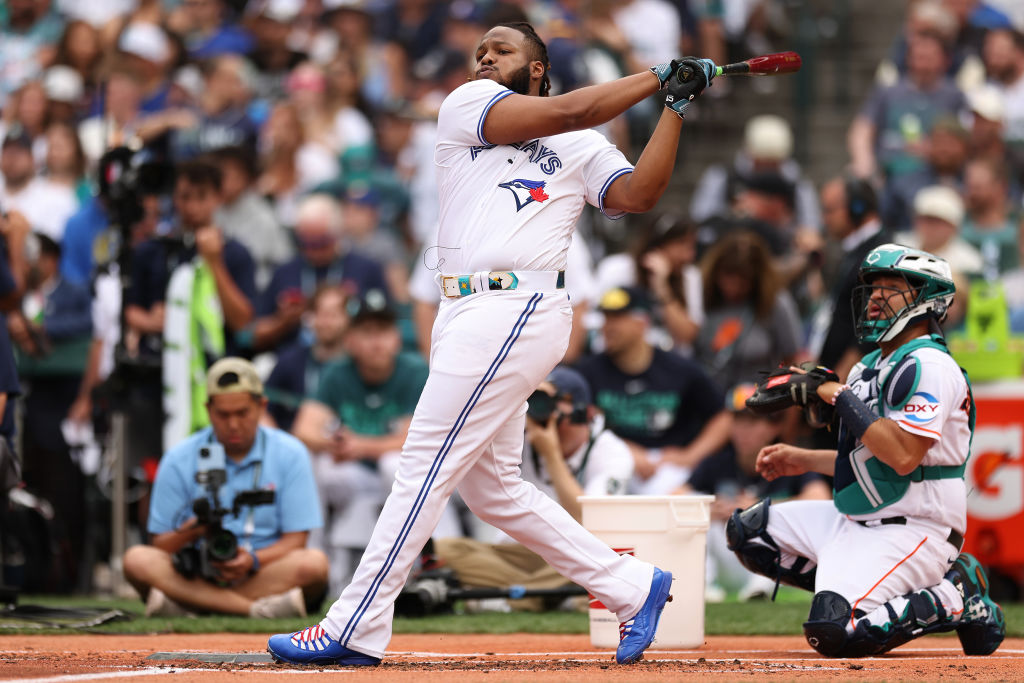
[502,280]
[465,287]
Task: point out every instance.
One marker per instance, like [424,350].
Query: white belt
[455,286]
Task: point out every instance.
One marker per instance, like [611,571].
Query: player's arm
[525,117]
[782,460]
[640,190]
[896,447]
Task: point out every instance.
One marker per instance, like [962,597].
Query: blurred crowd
[184,180]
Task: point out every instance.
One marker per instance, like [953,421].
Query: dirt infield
[59,659]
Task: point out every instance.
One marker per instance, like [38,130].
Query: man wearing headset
[849,209]
[568,453]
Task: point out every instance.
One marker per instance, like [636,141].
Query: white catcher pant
[489,352]
[866,565]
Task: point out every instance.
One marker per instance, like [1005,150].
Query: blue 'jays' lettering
[545,157]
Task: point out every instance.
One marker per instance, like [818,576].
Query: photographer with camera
[568,453]
[231,511]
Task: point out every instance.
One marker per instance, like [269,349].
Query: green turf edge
[730,618]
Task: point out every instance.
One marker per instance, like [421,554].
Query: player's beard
[519,81]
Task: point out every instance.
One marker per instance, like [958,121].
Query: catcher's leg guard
[825,628]
[981,628]
[748,537]
[909,616]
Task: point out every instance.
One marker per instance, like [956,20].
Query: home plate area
[470,657]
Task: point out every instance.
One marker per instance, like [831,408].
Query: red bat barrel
[779,63]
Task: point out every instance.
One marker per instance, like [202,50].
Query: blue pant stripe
[436,466]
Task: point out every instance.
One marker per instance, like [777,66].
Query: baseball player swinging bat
[764,65]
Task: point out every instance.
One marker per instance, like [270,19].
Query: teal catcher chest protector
[866,485]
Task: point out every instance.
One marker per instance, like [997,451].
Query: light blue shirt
[284,466]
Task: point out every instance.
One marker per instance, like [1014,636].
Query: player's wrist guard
[854,413]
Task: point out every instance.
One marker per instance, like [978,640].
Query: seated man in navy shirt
[271,572]
[219,269]
[730,476]
[322,259]
[663,405]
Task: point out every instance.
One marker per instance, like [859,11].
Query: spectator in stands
[322,259]
[45,204]
[663,264]
[32,114]
[888,134]
[208,30]
[730,476]
[121,119]
[292,164]
[80,49]
[355,424]
[1004,61]
[148,52]
[849,208]
[750,320]
[29,30]
[938,217]
[296,375]
[665,406]
[568,454]
[990,225]
[363,233]
[222,119]
[273,574]
[987,123]
[382,66]
[65,161]
[168,308]
[247,217]
[767,148]
[52,331]
[274,55]
[345,105]
[947,152]
[65,95]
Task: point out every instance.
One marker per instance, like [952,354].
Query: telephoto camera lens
[222,546]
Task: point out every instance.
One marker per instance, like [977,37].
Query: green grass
[784,617]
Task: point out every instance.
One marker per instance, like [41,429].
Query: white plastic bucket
[670,532]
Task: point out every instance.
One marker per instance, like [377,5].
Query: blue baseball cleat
[981,628]
[637,634]
[312,645]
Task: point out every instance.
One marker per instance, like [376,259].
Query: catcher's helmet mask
[928,294]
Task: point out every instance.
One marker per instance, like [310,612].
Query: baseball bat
[763,65]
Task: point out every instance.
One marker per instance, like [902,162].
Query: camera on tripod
[218,544]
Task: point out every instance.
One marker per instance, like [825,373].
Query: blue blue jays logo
[526,191]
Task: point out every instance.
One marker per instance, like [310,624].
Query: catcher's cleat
[312,645]
[637,634]
[981,628]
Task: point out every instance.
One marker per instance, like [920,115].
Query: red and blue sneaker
[637,634]
[312,645]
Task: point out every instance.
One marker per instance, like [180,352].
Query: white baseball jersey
[938,410]
[513,207]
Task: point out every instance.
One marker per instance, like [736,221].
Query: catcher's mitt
[783,388]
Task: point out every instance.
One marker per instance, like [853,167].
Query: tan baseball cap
[233,375]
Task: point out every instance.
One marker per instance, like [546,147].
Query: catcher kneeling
[883,558]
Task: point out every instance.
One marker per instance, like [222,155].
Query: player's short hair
[539,51]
